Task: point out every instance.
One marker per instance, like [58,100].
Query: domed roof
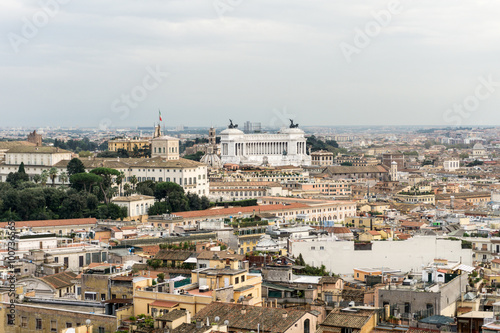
[478,146]
[211,159]
[231,131]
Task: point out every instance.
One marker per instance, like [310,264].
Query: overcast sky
[104,63]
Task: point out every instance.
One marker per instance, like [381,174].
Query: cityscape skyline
[342,63]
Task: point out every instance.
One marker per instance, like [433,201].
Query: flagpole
[163,127]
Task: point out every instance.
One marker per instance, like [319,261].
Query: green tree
[53,174]
[73,206]
[474,163]
[122,153]
[145,188]
[194,201]
[126,189]
[133,181]
[173,195]
[44,177]
[158,208]
[135,151]
[85,153]
[84,181]
[16,178]
[119,180]
[112,211]
[107,175]
[300,260]
[33,201]
[155,263]
[37,178]
[64,177]
[21,168]
[204,202]
[195,157]
[75,166]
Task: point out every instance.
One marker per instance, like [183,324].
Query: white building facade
[451,164]
[287,147]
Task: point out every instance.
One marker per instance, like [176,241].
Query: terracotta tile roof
[403,236]
[334,230]
[462,195]
[96,163]
[122,278]
[421,330]
[50,223]
[12,144]
[412,224]
[356,169]
[272,319]
[220,255]
[60,280]
[172,315]
[348,319]
[242,184]
[174,255]
[34,149]
[164,304]
[243,210]
[329,279]
[132,198]
[150,249]
[190,328]
[158,162]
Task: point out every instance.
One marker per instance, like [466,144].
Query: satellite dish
[216,319]
[226,322]
[240,299]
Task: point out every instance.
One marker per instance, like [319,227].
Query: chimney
[188,317]
[243,311]
[171,286]
[198,323]
[285,314]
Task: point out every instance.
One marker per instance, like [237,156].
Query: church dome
[212,160]
[478,146]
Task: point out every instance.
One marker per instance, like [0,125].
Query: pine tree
[21,168]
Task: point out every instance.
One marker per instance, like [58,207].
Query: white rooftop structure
[287,147]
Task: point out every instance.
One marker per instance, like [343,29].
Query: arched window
[307,326]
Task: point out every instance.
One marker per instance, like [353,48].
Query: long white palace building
[287,147]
